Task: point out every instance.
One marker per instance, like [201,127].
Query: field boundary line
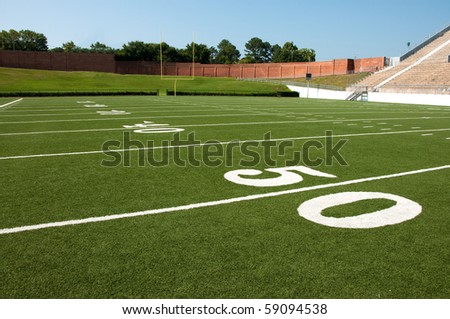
[16,101]
[220,143]
[212,203]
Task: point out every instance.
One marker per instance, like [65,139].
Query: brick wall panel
[106,63]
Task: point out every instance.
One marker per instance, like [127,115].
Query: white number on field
[149,127]
[403,210]
[288,176]
[113,112]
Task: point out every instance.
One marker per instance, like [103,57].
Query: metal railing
[413,88]
[424,43]
[416,89]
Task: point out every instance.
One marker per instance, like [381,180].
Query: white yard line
[132,118]
[199,125]
[216,143]
[91,113]
[211,203]
[4,105]
[61,132]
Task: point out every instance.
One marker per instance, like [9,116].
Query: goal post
[176,78]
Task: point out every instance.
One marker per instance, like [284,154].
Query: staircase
[354,96]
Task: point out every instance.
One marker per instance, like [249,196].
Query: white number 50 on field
[403,209]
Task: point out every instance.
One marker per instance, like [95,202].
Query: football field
[223,197]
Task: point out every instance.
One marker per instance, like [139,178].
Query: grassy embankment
[36,82]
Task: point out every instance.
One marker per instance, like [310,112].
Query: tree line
[256,50]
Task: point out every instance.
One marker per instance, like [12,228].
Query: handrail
[424,43]
[407,88]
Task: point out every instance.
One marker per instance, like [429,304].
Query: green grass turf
[340,81]
[25,80]
[259,248]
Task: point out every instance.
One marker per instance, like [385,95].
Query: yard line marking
[116,129]
[128,118]
[155,107]
[90,113]
[211,203]
[428,134]
[16,101]
[152,109]
[189,125]
[59,132]
[216,143]
[367,126]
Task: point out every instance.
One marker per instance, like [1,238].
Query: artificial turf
[258,248]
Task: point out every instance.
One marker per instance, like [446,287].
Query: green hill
[58,82]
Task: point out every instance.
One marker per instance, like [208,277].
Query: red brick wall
[369,64]
[257,70]
[106,63]
[58,61]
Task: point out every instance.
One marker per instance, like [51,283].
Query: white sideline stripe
[218,143]
[11,103]
[211,203]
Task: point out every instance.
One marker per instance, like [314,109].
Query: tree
[98,47]
[8,39]
[291,53]
[69,46]
[227,53]
[202,53]
[170,54]
[24,40]
[214,53]
[307,55]
[258,51]
[32,41]
[276,53]
[138,51]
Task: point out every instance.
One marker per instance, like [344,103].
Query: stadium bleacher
[426,70]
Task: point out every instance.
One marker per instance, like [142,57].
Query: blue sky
[335,29]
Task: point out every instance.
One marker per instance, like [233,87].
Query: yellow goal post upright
[176,77]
